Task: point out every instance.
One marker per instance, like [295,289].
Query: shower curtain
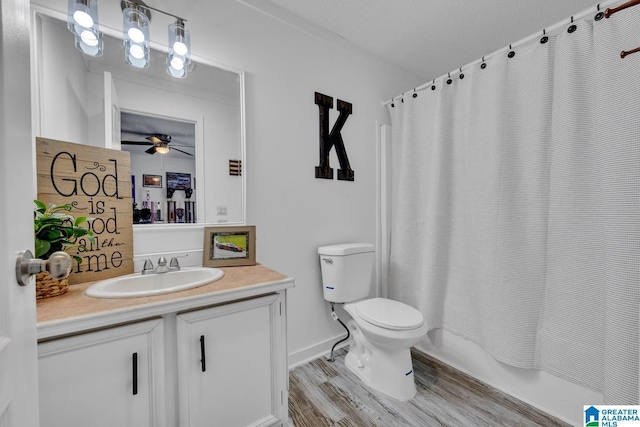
[516,205]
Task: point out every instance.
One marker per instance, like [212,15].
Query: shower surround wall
[516,215]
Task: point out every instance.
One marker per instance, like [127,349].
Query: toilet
[382,330]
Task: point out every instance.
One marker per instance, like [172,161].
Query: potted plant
[55,229]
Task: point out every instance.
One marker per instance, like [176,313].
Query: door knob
[58,265]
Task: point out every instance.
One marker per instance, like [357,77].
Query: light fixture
[162,148]
[135,35]
[179,55]
[82,21]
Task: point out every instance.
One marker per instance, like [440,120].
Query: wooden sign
[97,183]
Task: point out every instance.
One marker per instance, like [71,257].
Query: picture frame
[154,181]
[178,180]
[229,246]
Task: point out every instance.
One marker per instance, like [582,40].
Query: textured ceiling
[432,37]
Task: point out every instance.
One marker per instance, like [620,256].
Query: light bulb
[136,51]
[180,48]
[136,35]
[83,19]
[177,63]
[89,38]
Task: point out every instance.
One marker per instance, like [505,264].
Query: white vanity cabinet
[215,355]
[232,368]
[111,377]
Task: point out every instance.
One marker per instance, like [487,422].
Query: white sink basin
[138,285]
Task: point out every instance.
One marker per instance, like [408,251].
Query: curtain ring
[599,15]
[483,65]
[415,95]
[461,74]
[449,81]
[511,53]
[433,85]
[544,38]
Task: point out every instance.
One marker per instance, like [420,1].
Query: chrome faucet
[162,266]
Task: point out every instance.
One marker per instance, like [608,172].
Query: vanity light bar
[82,21]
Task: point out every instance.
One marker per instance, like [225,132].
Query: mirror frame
[36,120]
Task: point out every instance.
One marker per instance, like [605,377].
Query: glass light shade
[90,43]
[135,29]
[179,55]
[82,15]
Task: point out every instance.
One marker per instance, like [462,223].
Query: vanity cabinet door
[112,377]
[232,364]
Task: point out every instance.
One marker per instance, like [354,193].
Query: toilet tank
[347,270]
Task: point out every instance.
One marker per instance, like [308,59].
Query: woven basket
[46,286]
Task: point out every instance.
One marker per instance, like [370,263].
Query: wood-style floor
[323,393]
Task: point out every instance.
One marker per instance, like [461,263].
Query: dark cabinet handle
[203,358]
[135,373]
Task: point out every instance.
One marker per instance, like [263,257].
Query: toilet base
[386,371]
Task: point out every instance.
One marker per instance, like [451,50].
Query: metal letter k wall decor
[332,139]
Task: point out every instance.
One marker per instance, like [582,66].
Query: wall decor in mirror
[167,125]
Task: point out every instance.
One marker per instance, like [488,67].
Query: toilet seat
[389,314]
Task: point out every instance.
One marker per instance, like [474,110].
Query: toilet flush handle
[328,260]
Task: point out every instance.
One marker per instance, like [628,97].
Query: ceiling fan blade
[157,138]
[174,148]
[137,143]
[151,150]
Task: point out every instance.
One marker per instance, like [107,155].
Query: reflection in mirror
[162,166]
[104,101]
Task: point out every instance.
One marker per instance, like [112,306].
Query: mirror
[104,101]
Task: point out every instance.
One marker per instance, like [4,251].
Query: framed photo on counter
[229,246]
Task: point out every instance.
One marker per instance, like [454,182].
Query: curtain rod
[524,41]
[611,11]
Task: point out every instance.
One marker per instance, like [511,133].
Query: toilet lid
[389,314]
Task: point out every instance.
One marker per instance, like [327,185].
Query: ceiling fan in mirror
[159,144]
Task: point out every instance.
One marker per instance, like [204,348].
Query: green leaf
[42,247]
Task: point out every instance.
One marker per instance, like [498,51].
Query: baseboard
[315,351]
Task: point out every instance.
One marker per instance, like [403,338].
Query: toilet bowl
[382,330]
[382,334]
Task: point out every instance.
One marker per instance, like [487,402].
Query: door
[108,378]
[18,353]
[229,371]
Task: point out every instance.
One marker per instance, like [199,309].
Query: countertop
[74,312]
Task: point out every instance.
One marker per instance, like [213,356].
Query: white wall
[63,88]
